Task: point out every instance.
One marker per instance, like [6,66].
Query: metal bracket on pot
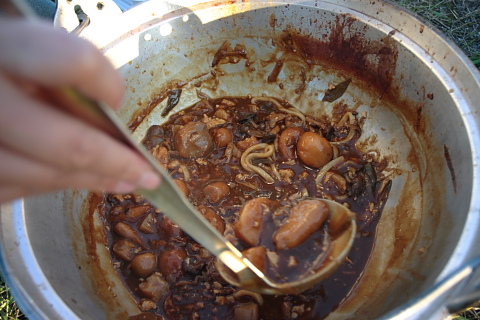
[468,291]
[463,285]
[76,15]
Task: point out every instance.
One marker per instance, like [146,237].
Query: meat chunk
[246,311]
[160,154]
[170,263]
[256,255]
[125,249]
[144,264]
[305,218]
[193,140]
[154,287]
[216,191]
[287,142]
[314,150]
[250,223]
[126,231]
[215,220]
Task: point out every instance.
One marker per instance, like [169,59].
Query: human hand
[43,149]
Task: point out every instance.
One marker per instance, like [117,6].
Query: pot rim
[137,19]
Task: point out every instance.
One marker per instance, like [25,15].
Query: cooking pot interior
[409,112]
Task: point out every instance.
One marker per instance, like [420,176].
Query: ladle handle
[166,197]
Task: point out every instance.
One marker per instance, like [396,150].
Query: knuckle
[130,171]
[51,180]
[104,184]
[83,151]
[86,58]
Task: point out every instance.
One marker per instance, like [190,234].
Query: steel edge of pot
[470,233]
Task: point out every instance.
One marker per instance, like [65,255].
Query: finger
[10,193]
[51,57]
[50,136]
[34,177]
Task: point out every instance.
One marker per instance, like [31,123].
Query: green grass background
[457,19]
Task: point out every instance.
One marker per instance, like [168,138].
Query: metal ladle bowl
[341,228]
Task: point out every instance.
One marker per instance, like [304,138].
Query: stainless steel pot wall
[420,94]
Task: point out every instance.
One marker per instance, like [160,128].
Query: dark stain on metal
[275,71]
[347,49]
[418,119]
[273,20]
[233,55]
[303,84]
[448,159]
[145,111]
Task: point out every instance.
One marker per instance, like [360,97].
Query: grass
[8,307]
[457,19]
[468,314]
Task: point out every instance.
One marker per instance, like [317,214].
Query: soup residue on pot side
[255,154]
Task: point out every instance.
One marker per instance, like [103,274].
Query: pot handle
[463,284]
[75,15]
[468,290]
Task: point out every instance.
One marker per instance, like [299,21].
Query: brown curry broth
[319,301]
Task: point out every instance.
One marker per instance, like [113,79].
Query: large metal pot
[419,91]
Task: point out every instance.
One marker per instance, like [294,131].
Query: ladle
[171,201]
[168,198]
